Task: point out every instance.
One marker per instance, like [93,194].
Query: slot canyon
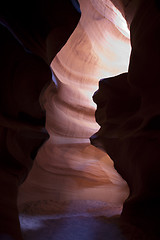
[79,118]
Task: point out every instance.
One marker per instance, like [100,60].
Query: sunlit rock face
[68,167]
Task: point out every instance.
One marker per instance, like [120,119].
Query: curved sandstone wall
[68,167]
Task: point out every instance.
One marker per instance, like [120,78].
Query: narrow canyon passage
[68,167]
[79,120]
[70,177]
[73,183]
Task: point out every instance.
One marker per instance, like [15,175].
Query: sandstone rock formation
[128,113]
[68,167]
[43,81]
